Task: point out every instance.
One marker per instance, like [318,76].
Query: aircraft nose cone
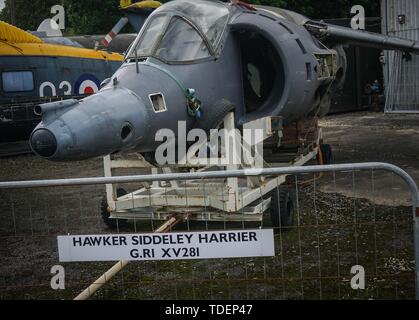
[44,143]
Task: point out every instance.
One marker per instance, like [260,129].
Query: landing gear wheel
[282,208]
[326,153]
[113,224]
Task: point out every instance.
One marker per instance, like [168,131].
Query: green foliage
[28,14]
[99,16]
[323,9]
[92,16]
[82,17]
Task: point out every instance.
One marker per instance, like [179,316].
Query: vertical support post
[111,195]
[173,183]
[231,155]
[12,12]
[416,236]
[154,184]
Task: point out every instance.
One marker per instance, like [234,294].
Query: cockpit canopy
[182,31]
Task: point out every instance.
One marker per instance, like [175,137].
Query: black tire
[150,157]
[214,115]
[113,224]
[282,208]
[327,153]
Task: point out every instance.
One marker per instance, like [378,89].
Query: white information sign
[167,246]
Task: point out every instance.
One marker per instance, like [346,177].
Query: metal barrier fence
[346,217]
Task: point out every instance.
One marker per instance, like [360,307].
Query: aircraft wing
[360,38]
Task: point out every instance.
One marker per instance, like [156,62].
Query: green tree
[27,15]
[324,9]
[99,16]
[92,16]
[82,17]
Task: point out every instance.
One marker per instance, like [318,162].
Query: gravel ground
[342,221]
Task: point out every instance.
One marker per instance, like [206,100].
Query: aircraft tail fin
[12,34]
[137,12]
[129,4]
[114,32]
[50,28]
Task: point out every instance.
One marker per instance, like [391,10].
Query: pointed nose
[43,143]
[112,120]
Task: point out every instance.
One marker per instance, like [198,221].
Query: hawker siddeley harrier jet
[196,61]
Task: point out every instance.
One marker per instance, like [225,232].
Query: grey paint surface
[301,52]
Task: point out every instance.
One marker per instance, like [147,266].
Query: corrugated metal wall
[401,76]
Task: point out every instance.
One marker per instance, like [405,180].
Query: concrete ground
[375,137]
[354,137]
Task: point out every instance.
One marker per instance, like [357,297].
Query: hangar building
[401,71]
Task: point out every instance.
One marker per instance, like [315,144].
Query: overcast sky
[1,4]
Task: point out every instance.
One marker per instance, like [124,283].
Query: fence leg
[108,275]
[416,209]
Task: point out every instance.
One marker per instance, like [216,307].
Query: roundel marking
[86,84]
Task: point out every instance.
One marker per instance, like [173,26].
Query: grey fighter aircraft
[196,61]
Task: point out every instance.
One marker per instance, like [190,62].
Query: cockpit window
[194,31]
[181,43]
[151,36]
[210,17]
